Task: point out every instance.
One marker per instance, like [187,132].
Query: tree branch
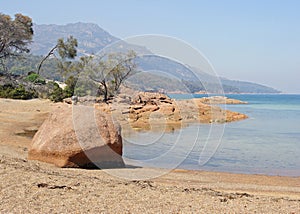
[46,57]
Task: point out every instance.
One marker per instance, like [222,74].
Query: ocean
[266,143]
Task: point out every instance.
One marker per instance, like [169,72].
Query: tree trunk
[46,57]
[105,90]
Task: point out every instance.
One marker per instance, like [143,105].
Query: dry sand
[34,187]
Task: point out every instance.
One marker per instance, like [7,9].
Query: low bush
[69,89]
[19,92]
[35,78]
[56,94]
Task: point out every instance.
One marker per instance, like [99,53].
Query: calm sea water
[266,143]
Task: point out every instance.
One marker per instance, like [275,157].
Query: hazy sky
[253,40]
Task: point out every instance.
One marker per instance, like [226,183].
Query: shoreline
[37,187]
[211,95]
[39,109]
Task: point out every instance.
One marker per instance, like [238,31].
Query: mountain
[246,87]
[92,38]
[164,72]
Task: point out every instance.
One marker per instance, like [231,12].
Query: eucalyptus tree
[110,71]
[66,50]
[15,36]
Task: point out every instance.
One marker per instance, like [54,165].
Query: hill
[92,39]
[166,75]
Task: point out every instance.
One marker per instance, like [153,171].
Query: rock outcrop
[147,110]
[152,109]
[220,100]
[84,137]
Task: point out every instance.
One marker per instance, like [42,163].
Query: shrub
[69,89]
[19,92]
[56,93]
[35,78]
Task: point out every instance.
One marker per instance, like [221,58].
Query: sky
[251,40]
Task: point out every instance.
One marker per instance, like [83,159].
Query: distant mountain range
[92,39]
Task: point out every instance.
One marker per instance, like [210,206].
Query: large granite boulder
[84,137]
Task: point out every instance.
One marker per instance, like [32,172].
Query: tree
[66,50]
[15,35]
[111,71]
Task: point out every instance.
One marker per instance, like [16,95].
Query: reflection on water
[268,142]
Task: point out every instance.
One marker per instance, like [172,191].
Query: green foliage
[35,78]
[69,89]
[9,91]
[16,35]
[56,93]
[67,49]
[111,71]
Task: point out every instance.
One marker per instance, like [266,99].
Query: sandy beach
[35,187]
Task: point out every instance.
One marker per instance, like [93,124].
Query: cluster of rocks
[88,135]
[220,100]
[85,100]
[146,110]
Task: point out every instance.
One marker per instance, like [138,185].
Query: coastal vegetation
[92,123]
[19,92]
[22,76]
[55,55]
[16,35]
